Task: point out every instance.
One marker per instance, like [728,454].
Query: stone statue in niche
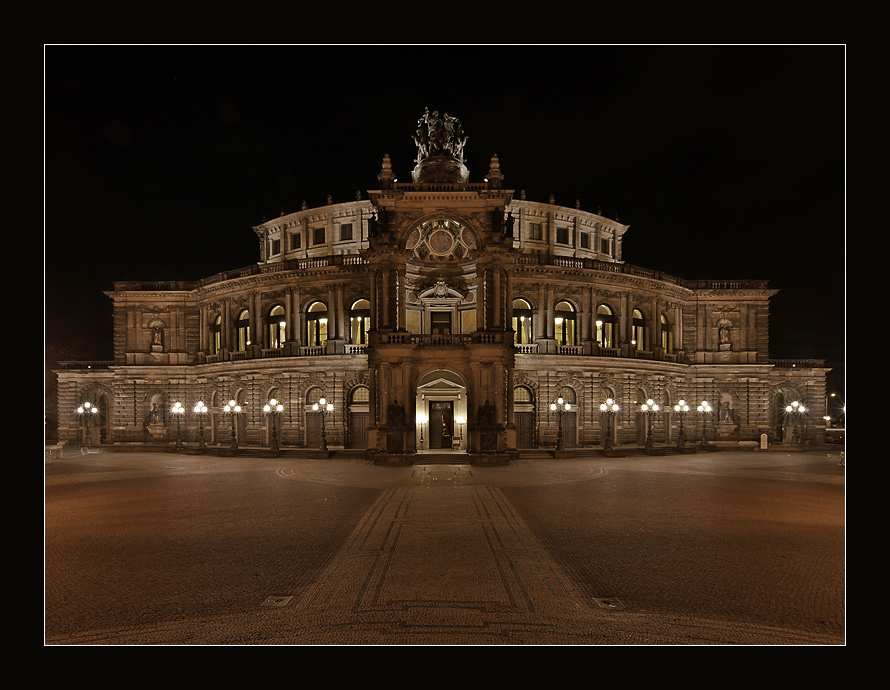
[396,415]
[724,335]
[155,416]
[486,415]
[509,222]
[157,339]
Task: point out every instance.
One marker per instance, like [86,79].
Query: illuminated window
[216,335]
[242,330]
[667,336]
[522,322]
[317,324]
[276,326]
[359,322]
[605,326]
[564,324]
[639,330]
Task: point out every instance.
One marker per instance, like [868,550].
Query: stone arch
[440,238]
[781,424]
[100,395]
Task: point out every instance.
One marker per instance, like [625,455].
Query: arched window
[360,394]
[568,395]
[564,323]
[521,394]
[313,395]
[522,322]
[242,330]
[317,324]
[638,336]
[276,327]
[667,336]
[359,322]
[216,335]
[605,326]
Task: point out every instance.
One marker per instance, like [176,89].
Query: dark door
[440,323]
[313,430]
[441,423]
[525,429]
[569,430]
[358,429]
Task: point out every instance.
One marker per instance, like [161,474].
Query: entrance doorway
[440,323]
[441,423]
[441,411]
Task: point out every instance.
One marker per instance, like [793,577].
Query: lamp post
[796,410]
[87,413]
[681,408]
[233,409]
[178,411]
[608,409]
[559,407]
[460,426]
[647,408]
[274,409]
[421,420]
[704,409]
[324,408]
[201,411]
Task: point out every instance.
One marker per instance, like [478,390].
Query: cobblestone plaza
[725,548]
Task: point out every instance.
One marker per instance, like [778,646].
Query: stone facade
[441,314]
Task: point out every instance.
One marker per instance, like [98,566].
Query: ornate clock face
[441,241]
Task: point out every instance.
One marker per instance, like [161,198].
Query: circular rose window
[441,241]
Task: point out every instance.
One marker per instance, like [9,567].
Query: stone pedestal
[157,432]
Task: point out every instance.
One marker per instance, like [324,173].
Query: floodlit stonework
[442,314]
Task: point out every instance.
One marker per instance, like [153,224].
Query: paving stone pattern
[709,549]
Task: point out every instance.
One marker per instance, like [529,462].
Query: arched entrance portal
[441,412]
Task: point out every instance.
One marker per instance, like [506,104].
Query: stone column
[480,299]
[373,276]
[508,306]
[226,325]
[256,319]
[401,297]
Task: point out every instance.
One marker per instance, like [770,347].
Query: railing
[797,363]
[355,349]
[629,269]
[85,365]
[527,349]
[569,349]
[441,339]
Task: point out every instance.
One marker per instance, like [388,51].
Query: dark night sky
[726,161]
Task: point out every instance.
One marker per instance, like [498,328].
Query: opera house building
[442,315]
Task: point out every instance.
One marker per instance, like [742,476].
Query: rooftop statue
[439,136]
[440,144]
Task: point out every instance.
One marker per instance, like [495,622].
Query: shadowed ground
[712,548]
